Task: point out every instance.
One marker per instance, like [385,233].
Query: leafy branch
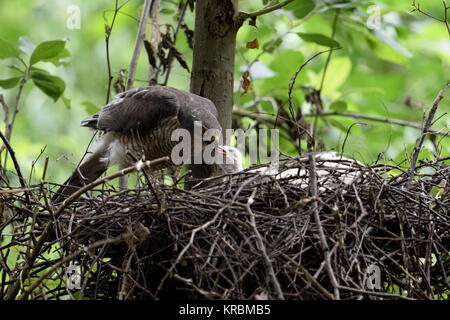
[52,86]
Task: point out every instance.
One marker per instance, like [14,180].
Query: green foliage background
[394,74]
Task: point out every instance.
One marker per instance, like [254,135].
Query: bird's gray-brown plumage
[140,120]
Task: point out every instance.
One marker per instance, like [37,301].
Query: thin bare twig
[325,68]
[444,20]
[154,13]
[6,119]
[175,35]
[66,259]
[16,166]
[263,117]
[9,126]
[291,87]
[108,31]
[263,250]
[245,15]
[425,131]
[138,44]
[13,290]
[313,192]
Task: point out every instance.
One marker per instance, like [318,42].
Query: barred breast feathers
[153,144]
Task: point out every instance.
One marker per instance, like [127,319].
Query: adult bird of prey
[140,121]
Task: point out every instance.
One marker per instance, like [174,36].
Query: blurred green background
[395,72]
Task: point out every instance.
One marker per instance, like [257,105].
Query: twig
[325,68]
[6,120]
[12,191]
[441,265]
[446,8]
[154,13]
[245,15]
[16,166]
[190,243]
[138,44]
[347,134]
[108,30]
[137,167]
[189,282]
[147,178]
[262,116]
[8,130]
[375,293]
[44,173]
[425,131]
[13,290]
[66,259]
[175,35]
[309,276]
[125,289]
[262,249]
[291,87]
[313,193]
[445,20]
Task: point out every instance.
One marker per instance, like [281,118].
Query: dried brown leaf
[253,44]
[246,81]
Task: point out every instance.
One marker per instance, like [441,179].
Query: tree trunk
[212,73]
[214,49]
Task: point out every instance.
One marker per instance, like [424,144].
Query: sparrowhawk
[140,120]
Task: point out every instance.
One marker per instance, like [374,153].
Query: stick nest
[382,236]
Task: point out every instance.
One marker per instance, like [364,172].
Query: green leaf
[437,192]
[343,5]
[338,71]
[284,66]
[388,50]
[246,33]
[60,59]
[7,50]
[47,50]
[339,106]
[166,11]
[385,38]
[90,107]
[66,101]
[319,39]
[9,83]
[300,8]
[51,85]
[271,46]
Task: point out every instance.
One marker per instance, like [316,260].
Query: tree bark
[154,15]
[214,50]
[212,73]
